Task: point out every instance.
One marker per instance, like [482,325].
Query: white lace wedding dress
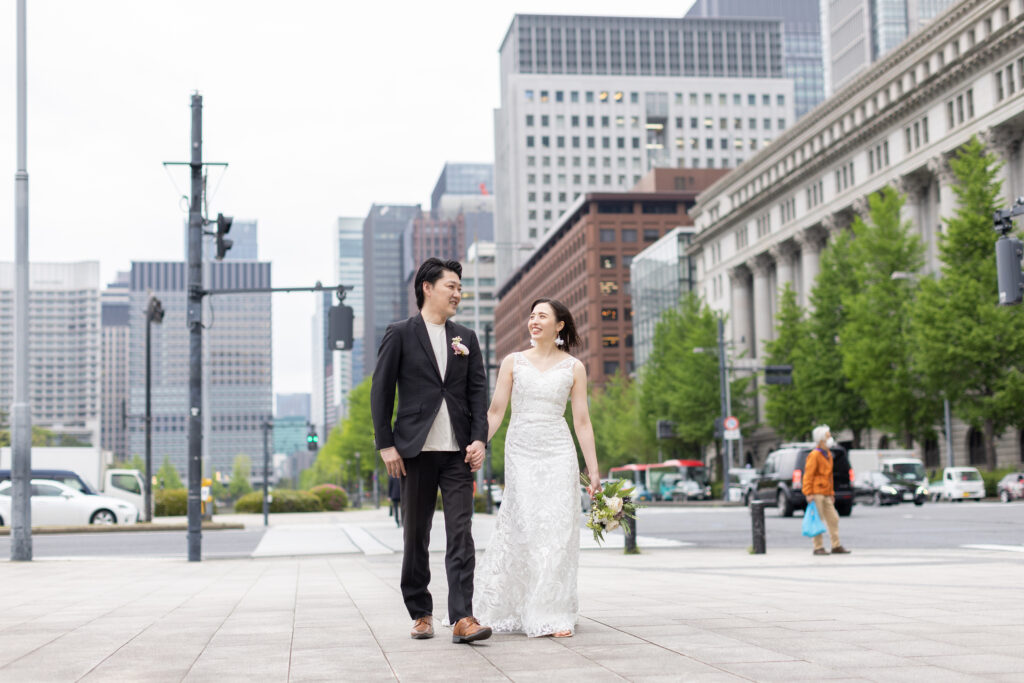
[526,579]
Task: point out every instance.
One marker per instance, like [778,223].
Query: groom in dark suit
[437,440]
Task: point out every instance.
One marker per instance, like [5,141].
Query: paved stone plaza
[667,614]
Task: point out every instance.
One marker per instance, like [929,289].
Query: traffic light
[778,374]
[312,440]
[339,326]
[223,228]
[1008,273]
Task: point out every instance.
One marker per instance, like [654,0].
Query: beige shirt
[441,436]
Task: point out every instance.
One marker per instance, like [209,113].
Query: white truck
[91,466]
[898,463]
[959,483]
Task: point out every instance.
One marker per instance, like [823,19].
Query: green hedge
[170,502]
[332,497]
[281,500]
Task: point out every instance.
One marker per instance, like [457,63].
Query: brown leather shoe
[469,630]
[840,550]
[423,628]
[820,551]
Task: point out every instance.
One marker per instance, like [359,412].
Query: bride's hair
[570,339]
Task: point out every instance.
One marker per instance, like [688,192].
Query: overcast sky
[321,108]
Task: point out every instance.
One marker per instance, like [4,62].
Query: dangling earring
[558,341]
[533,342]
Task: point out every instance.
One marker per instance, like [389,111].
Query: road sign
[732,428]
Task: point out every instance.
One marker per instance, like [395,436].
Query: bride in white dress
[526,580]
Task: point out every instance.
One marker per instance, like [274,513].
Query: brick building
[584,262]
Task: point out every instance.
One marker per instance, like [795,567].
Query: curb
[118,528]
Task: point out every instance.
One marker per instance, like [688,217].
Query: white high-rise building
[115,302]
[348,263]
[64,347]
[593,103]
[860,32]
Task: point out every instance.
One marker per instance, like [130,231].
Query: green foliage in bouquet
[611,508]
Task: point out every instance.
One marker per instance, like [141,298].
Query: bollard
[629,530]
[757,526]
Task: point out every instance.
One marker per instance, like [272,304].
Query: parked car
[959,483]
[66,477]
[875,488]
[741,481]
[779,482]
[1011,487]
[56,504]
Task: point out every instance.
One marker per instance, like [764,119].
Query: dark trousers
[424,474]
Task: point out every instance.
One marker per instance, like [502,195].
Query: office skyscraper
[592,103]
[862,31]
[64,347]
[115,309]
[237,363]
[385,297]
[348,264]
[801,27]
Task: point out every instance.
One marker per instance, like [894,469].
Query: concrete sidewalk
[667,614]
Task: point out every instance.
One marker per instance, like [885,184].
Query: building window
[529,95]
[529,141]
[608,260]
[529,119]
[611,367]
[610,341]
[607,235]
[629,235]
[609,314]
[609,287]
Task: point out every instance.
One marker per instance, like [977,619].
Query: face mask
[830,443]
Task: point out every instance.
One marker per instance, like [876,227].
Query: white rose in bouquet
[611,525]
[614,504]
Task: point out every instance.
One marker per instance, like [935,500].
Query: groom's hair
[431,271]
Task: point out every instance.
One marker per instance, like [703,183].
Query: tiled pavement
[666,614]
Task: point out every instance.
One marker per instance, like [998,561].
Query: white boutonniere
[458,348]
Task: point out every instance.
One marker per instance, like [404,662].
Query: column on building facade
[811,241]
[783,254]
[742,322]
[760,266]
[1005,143]
[939,167]
[914,190]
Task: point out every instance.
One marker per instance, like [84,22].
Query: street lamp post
[359,483]
[267,426]
[154,314]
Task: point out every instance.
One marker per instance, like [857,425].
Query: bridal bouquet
[611,507]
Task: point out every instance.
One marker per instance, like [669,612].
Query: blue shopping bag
[813,525]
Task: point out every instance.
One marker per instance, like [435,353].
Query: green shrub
[479,503]
[170,502]
[332,497]
[281,500]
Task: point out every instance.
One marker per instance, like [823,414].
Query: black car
[875,488]
[780,480]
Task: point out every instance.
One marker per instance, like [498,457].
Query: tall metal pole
[723,389]
[949,432]
[487,451]
[195,335]
[148,484]
[21,418]
[266,467]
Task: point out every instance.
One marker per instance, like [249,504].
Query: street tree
[618,424]
[877,350]
[970,349]
[788,409]
[830,398]
[241,470]
[167,476]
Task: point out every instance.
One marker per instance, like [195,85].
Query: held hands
[595,482]
[393,462]
[475,455]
